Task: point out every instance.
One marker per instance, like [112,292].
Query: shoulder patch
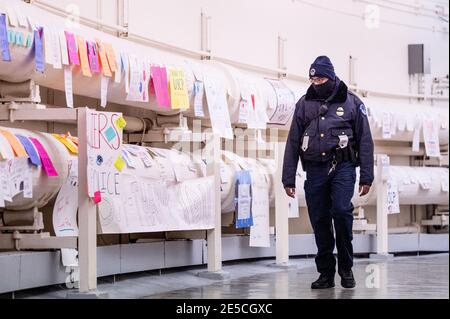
[363,110]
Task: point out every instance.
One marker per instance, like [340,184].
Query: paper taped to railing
[218,108]
[260,231]
[104,147]
[285,103]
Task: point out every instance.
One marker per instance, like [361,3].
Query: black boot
[347,279]
[325,281]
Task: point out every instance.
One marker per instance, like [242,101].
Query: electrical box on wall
[418,59]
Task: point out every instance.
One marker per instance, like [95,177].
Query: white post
[281,210]
[214,236]
[382,215]
[87,215]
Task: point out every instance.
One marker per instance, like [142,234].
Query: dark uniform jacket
[346,115]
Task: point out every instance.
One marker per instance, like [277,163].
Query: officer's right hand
[290,191]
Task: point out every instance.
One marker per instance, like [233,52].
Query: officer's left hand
[363,189]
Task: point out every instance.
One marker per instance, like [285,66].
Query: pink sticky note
[160,84]
[97,197]
[47,164]
[72,48]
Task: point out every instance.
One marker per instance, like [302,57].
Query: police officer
[330,134]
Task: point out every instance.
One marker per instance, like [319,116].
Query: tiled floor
[403,277]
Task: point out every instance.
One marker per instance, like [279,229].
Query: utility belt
[345,152]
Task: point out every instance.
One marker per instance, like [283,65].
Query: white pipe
[197,53]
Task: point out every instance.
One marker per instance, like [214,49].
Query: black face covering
[324,90]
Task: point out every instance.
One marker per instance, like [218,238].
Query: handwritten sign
[178,91]
[104,147]
[431,137]
[285,103]
[218,107]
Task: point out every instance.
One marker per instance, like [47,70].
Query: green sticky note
[28,41]
[19,38]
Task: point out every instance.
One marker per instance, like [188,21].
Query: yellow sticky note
[121,123]
[103,59]
[19,150]
[67,143]
[82,51]
[111,56]
[178,91]
[120,163]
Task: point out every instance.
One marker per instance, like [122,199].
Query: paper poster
[72,48]
[15,178]
[47,163]
[136,80]
[55,50]
[431,137]
[392,201]
[104,147]
[218,107]
[147,205]
[4,45]
[104,90]
[385,170]
[285,103]
[39,49]
[416,136]
[243,199]
[63,47]
[178,91]
[386,125]
[198,99]
[68,85]
[160,85]
[65,213]
[260,231]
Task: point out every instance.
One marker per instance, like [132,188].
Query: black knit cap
[322,67]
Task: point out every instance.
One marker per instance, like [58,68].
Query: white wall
[247,30]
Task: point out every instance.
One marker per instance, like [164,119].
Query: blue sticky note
[19,39]
[244,178]
[39,49]
[11,36]
[110,134]
[31,151]
[4,45]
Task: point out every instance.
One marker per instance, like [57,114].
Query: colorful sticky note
[70,146]
[11,36]
[39,49]
[111,56]
[120,122]
[178,91]
[31,151]
[119,163]
[97,197]
[17,147]
[94,62]
[4,46]
[103,59]
[47,163]
[110,134]
[29,42]
[82,50]
[159,81]
[19,40]
[72,48]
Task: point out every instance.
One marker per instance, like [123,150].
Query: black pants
[329,200]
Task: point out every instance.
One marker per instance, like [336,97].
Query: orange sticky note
[111,56]
[82,51]
[103,59]
[19,150]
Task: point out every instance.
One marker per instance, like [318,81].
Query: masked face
[324,90]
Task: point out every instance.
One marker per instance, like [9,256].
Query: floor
[403,277]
